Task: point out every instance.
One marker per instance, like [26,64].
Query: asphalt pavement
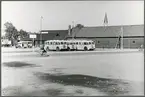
[91,73]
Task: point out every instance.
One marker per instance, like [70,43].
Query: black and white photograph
[72,48]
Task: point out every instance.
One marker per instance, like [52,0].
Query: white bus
[55,45]
[81,45]
[69,45]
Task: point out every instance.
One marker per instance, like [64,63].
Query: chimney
[69,30]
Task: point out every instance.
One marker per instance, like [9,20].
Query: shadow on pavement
[109,86]
[18,64]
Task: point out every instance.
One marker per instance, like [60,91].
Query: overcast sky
[59,14]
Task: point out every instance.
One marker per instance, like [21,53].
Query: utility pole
[33,44]
[41,30]
[122,38]
[73,29]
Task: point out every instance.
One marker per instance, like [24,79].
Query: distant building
[47,35]
[104,37]
[109,36]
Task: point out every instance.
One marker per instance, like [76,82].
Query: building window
[133,41]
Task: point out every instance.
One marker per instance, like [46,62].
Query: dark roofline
[113,26]
[111,37]
[52,30]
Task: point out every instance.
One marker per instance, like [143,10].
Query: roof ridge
[113,31]
[113,26]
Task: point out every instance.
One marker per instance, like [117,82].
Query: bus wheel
[57,48]
[47,49]
[85,48]
[68,48]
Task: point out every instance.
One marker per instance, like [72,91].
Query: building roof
[52,34]
[111,31]
[54,31]
[100,31]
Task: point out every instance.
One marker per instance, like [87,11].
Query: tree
[11,32]
[79,26]
[76,29]
[23,33]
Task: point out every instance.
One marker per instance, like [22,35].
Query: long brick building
[109,37]
[104,37]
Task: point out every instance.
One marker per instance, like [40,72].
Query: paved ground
[26,73]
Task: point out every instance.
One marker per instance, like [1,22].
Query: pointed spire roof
[105,19]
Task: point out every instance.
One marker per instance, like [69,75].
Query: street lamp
[41,30]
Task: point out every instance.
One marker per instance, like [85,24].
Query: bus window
[67,43]
[52,43]
[85,43]
[61,42]
[89,42]
[77,43]
[64,42]
[56,43]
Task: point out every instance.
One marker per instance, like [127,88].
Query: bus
[58,45]
[24,44]
[81,45]
[55,45]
